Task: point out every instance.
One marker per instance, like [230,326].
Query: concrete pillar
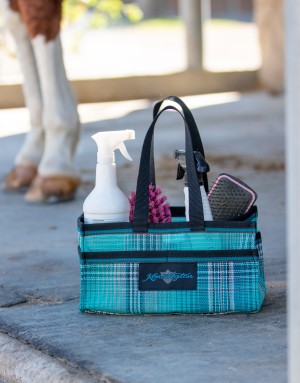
[269,18]
[292,84]
[150,8]
[191,14]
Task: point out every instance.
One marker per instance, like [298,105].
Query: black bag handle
[140,221]
[197,142]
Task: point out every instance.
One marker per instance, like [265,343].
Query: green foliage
[101,13]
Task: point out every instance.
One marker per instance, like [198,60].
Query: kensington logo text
[167,276]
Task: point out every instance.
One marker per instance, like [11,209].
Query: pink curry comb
[159,210]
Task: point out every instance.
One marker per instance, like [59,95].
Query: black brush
[229,198]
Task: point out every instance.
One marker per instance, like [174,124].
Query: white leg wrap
[60,117]
[32,148]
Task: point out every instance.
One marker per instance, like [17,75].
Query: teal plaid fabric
[168,241]
[222,287]
[229,273]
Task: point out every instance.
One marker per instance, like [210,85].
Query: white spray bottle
[107,202]
[202,167]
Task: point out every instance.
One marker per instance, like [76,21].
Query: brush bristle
[159,210]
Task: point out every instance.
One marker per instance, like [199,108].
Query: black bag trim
[179,211]
[195,254]
[85,228]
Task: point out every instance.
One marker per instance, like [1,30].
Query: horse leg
[57,176]
[28,157]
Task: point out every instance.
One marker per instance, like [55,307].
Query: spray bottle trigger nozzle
[202,165]
[180,172]
[124,151]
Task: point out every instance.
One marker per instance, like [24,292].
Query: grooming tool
[159,210]
[229,198]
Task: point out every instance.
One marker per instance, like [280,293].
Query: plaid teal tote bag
[176,267]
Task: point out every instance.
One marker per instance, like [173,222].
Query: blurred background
[183,46]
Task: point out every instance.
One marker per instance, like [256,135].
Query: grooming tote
[178,267]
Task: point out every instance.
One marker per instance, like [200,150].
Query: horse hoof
[52,189]
[20,177]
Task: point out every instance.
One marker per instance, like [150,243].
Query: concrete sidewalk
[43,335]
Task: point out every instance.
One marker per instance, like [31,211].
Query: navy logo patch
[167,276]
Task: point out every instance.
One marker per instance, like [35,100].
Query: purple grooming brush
[159,210]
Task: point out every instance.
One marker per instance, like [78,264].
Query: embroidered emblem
[167,276]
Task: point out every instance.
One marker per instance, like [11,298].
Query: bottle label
[97,220]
